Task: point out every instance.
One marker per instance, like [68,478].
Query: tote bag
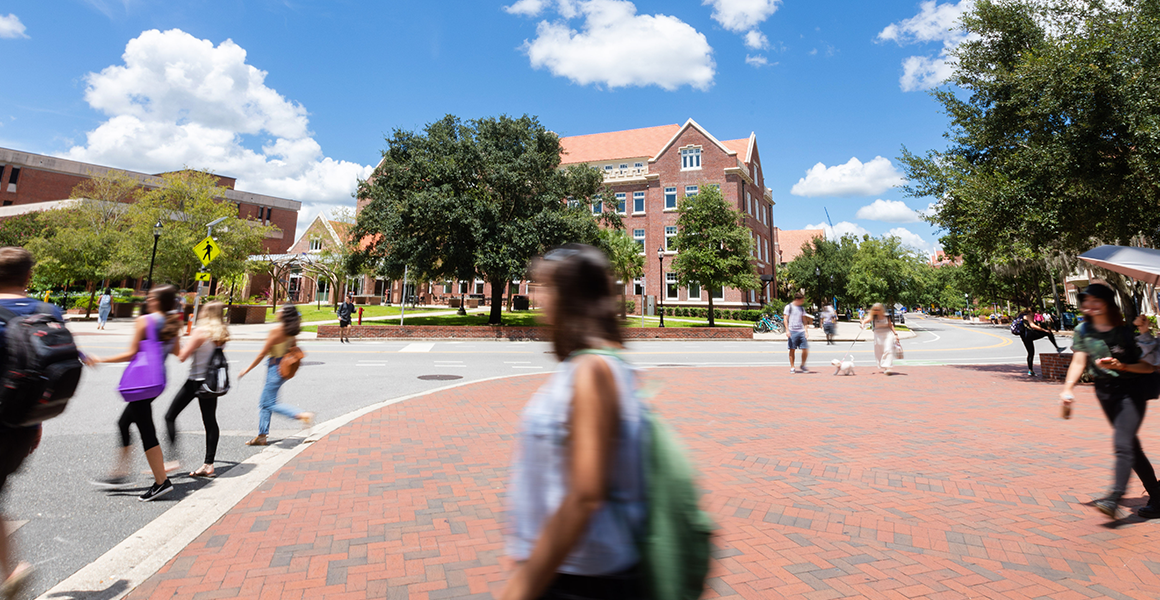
[144,378]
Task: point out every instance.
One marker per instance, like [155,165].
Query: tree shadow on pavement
[116,589]
[1011,373]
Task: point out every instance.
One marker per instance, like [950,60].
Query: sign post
[206,250]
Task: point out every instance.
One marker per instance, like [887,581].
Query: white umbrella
[1141,264]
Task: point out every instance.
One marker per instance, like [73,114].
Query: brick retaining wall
[525,333]
[1053,365]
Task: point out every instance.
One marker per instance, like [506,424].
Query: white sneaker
[792,370]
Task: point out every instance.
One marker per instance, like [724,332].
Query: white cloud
[851,179]
[618,48]
[756,40]
[912,239]
[742,15]
[11,27]
[756,61]
[528,8]
[891,211]
[178,101]
[933,23]
[843,228]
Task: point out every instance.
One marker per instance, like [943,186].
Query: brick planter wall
[525,333]
[1054,365]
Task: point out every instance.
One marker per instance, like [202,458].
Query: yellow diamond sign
[207,250]
[202,276]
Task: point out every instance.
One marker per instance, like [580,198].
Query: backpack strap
[6,315]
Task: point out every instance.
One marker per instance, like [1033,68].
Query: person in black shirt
[345,311]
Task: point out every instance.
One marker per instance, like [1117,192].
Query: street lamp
[661,279]
[156,236]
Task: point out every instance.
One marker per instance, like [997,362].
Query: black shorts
[15,444]
[344,323]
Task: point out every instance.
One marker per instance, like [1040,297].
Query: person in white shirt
[829,323]
[796,321]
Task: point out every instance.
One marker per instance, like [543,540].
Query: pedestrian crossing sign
[207,250]
[202,276]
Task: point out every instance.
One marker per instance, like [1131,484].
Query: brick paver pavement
[943,482]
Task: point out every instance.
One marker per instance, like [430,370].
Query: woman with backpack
[1106,349]
[883,328]
[159,324]
[1029,329]
[209,335]
[279,342]
[574,517]
[104,307]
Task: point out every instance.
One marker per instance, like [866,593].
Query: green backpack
[675,544]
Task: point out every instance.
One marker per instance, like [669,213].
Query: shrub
[630,306]
[776,307]
[750,315]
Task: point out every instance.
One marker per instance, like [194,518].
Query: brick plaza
[942,482]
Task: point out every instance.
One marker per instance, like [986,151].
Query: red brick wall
[1053,365]
[524,333]
[37,186]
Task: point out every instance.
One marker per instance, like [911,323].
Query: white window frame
[719,293]
[607,168]
[621,202]
[749,203]
[691,158]
[671,195]
[597,205]
[638,286]
[691,188]
[315,244]
[672,292]
[670,233]
[478,286]
[635,197]
[623,166]
[639,236]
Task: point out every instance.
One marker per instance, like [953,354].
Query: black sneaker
[1148,512]
[1031,373]
[112,483]
[1107,506]
[157,490]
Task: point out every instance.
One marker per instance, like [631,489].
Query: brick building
[34,182]
[788,243]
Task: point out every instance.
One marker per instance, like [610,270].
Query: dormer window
[690,158]
[315,244]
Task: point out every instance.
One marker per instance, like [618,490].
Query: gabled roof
[789,243]
[743,147]
[614,145]
[704,132]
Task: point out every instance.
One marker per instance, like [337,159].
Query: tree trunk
[711,321]
[496,315]
[92,295]
[623,305]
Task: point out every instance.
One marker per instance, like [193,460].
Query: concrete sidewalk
[846,332]
[821,487]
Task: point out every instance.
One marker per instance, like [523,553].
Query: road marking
[417,347]
[517,362]
[521,367]
[371,364]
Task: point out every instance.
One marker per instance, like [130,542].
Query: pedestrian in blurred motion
[885,337]
[280,341]
[797,338]
[829,323]
[577,493]
[211,333]
[1105,347]
[161,323]
[104,307]
[1030,330]
[345,311]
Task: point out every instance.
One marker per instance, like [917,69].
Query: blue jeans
[269,402]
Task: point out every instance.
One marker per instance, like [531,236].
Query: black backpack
[217,374]
[1017,326]
[41,369]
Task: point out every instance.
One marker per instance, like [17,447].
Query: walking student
[104,307]
[16,443]
[160,323]
[577,494]
[210,334]
[1032,330]
[1105,348]
[279,341]
[829,323]
[796,321]
[884,337]
[345,311]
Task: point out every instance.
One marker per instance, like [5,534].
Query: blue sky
[294,97]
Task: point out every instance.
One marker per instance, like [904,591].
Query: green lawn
[326,313]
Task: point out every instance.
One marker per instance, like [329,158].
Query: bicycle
[769,323]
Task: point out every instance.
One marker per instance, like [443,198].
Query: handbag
[289,364]
[897,348]
[144,378]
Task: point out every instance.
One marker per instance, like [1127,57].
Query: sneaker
[1107,506]
[1148,512]
[804,369]
[112,483]
[792,370]
[157,490]
[1031,373]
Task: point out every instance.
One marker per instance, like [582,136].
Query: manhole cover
[310,363]
[439,377]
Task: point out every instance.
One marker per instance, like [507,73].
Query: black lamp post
[462,307]
[156,236]
[661,279]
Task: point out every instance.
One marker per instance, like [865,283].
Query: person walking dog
[1106,350]
[885,337]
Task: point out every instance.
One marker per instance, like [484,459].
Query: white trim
[691,123]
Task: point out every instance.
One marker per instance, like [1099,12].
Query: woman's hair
[166,297]
[291,320]
[877,307]
[108,291]
[211,321]
[585,311]
[1115,315]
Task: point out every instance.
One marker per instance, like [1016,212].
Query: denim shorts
[797,339]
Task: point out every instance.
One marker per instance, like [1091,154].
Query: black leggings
[1124,405]
[621,586]
[1029,336]
[139,413]
[208,405]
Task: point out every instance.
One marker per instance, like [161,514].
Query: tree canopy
[481,197]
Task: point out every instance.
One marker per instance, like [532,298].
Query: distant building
[941,259]
[34,182]
[789,242]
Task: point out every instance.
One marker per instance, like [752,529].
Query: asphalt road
[64,523]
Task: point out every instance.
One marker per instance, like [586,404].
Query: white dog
[844,367]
